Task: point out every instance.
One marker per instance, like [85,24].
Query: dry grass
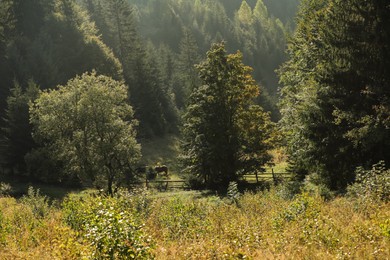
[260,226]
[26,236]
[265,226]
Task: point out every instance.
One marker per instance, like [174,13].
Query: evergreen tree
[225,134]
[16,139]
[188,57]
[152,102]
[7,24]
[244,14]
[336,94]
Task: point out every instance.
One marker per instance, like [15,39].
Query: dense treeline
[334,101]
[247,26]
[336,96]
[150,46]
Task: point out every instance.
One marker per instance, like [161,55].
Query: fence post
[274,177]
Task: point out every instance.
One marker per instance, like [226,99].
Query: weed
[109,226]
[372,184]
[38,203]
[5,189]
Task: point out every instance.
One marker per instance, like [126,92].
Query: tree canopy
[335,100]
[225,133]
[89,125]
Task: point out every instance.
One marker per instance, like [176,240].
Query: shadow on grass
[53,191]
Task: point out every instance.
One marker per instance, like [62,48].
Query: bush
[315,185]
[288,190]
[38,203]
[5,189]
[109,226]
[372,184]
[233,194]
[181,218]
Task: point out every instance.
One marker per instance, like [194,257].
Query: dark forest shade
[336,99]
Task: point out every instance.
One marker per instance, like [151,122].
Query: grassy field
[194,225]
[146,224]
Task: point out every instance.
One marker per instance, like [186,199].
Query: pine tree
[244,14]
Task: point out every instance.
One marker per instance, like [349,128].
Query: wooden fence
[275,177]
[165,185]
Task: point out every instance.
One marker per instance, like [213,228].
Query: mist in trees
[247,26]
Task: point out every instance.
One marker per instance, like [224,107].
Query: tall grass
[262,225]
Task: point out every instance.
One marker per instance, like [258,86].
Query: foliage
[194,226]
[16,140]
[233,194]
[109,226]
[151,98]
[267,226]
[5,189]
[225,133]
[25,235]
[88,125]
[335,111]
[45,43]
[262,41]
[39,204]
[180,218]
[372,184]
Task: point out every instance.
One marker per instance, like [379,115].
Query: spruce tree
[188,57]
[16,139]
[337,92]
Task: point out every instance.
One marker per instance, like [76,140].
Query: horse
[161,169]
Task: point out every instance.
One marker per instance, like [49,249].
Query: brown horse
[161,169]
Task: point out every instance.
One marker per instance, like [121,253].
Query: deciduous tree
[89,126]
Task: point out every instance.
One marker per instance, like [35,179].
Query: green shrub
[303,206]
[109,226]
[314,184]
[233,194]
[182,218]
[372,184]
[5,189]
[288,190]
[38,203]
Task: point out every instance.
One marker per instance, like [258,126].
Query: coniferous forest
[271,118]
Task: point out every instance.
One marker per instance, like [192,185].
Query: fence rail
[275,177]
[164,185]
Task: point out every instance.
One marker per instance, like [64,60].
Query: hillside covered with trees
[150,46]
[103,103]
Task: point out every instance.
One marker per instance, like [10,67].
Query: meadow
[145,224]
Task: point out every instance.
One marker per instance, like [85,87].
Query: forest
[272,117]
